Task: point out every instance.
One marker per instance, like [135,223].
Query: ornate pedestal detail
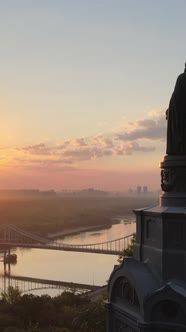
[173,181]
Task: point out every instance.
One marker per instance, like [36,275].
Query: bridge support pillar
[7,261]
[5,254]
[7,269]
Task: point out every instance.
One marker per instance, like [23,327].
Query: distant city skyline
[84,87]
[86,192]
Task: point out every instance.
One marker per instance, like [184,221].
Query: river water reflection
[76,267]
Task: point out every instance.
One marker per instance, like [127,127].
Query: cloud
[152,128]
[135,137]
[38,149]
[106,142]
[80,142]
[130,148]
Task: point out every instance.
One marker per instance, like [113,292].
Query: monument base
[160,241]
[148,292]
[140,302]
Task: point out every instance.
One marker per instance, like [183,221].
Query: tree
[13,329]
[128,252]
[90,318]
[12,295]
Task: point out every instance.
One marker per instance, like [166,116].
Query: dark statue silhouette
[176,116]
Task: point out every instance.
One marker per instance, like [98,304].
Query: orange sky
[83,91]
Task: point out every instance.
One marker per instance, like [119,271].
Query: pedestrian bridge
[28,284]
[11,236]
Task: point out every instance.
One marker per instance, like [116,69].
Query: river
[87,268]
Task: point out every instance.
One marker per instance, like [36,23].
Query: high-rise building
[138,190]
[145,190]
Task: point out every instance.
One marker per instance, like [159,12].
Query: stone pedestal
[161,241]
[148,292]
[173,181]
[141,301]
